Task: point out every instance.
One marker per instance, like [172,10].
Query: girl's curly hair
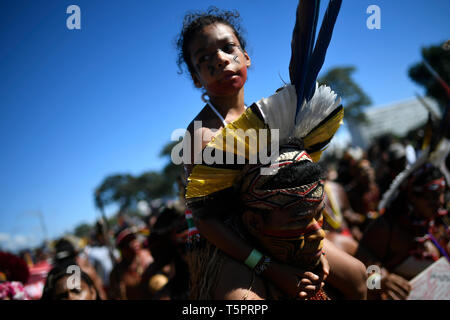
[195,21]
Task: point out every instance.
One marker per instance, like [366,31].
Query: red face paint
[228,85]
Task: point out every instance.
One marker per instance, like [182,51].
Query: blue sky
[78,105]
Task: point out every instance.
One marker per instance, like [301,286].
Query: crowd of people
[150,259]
[309,229]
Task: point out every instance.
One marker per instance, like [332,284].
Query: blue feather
[302,45]
[320,50]
[314,27]
[306,58]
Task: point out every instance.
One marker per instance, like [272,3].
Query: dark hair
[195,21]
[421,176]
[166,249]
[59,272]
[161,240]
[428,172]
[64,250]
[168,220]
[296,174]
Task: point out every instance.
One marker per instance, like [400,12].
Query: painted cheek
[229,86]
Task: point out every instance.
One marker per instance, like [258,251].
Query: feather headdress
[436,144]
[302,110]
[436,147]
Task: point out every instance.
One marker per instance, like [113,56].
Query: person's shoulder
[380,225]
[377,233]
[146,256]
[203,118]
[237,282]
[202,128]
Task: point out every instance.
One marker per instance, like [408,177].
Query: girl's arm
[215,231]
[374,245]
[347,274]
[283,276]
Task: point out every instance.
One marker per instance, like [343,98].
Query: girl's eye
[228,48]
[203,58]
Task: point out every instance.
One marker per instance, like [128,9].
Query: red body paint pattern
[228,86]
[287,233]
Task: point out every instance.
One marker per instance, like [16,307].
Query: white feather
[278,111]
[439,155]
[392,192]
[323,102]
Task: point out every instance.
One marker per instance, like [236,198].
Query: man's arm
[347,274]
[372,250]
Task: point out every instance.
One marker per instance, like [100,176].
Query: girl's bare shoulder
[205,120]
[204,125]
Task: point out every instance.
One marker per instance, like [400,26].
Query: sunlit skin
[342,241]
[279,220]
[393,238]
[217,57]
[347,272]
[220,69]
[127,276]
[62,291]
[130,250]
[219,61]
[427,203]
[290,223]
[363,194]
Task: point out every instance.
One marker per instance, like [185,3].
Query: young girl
[213,49]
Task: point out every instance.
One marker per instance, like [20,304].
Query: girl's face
[430,200]
[64,292]
[220,65]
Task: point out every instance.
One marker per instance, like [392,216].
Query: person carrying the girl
[213,49]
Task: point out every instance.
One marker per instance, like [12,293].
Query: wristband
[253,258]
[259,269]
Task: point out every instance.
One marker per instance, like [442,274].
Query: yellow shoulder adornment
[241,137]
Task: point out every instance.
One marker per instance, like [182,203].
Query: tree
[354,99]
[439,59]
[127,190]
[115,189]
[83,230]
[173,173]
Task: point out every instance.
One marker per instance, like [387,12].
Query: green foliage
[126,190]
[354,99]
[439,60]
[82,230]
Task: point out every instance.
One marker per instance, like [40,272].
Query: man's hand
[296,282]
[394,287]
[325,268]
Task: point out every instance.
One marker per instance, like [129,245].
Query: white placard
[433,283]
